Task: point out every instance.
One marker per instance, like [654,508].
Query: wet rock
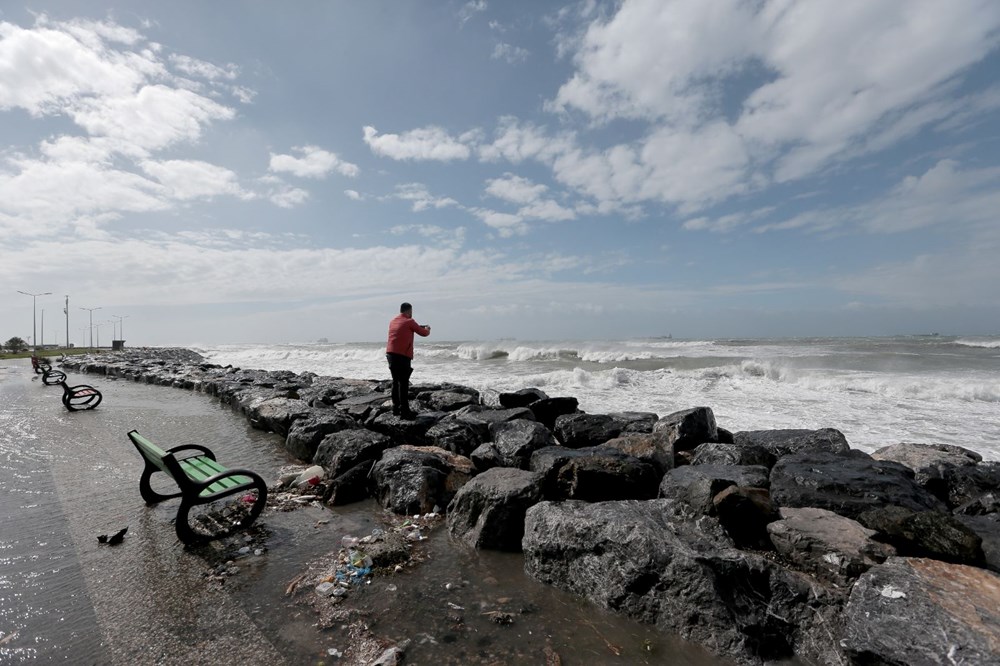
[276,414]
[306,434]
[846,484]
[487,417]
[363,406]
[515,441]
[933,534]
[547,410]
[447,401]
[988,503]
[643,560]
[485,457]
[987,528]
[414,479]
[353,485]
[579,430]
[348,448]
[392,656]
[461,437]
[488,512]
[833,548]
[652,448]
[593,474]
[521,398]
[745,514]
[405,431]
[387,550]
[717,453]
[693,487]
[785,442]
[635,422]
[921,611]
[969,483]
[929,462]
[326,391]
[687,429]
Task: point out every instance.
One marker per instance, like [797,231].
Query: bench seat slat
[200,468]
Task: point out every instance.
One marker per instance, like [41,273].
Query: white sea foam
[986,343]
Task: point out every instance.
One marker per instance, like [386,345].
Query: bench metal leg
[189,536]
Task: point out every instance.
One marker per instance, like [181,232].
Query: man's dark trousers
[400,367]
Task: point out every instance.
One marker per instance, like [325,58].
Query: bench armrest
[192,447]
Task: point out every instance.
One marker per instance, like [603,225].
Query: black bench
[40,364]
[80,397]
[52,377]
[200,479]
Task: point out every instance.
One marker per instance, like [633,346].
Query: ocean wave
[986,343]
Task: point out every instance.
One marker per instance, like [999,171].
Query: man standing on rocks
[399,353]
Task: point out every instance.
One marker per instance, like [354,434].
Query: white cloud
[289,197]
[189,179]
[517,141]
[420,198]
[426,143]
[515,188]
[200,68]
[354,195]
[506,224]
[470,9]
[313,163]
[512,54]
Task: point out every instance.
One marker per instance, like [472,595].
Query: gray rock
[276,414]
[931,534]
[485,457]
[745,514]
[480,416]
[343,450]
[846,484]
[969,483]
[447,401]
[652,448]
[515,441]
[547,410]
[785,442]
[354,485]
[361,407]
[641,559]
[833,548]
[461,437]
[593,474]
[405,431]
[929,462]
[695,486]
[415,479]
[688,428]
[521,398]
[717,453]
[636,422]
[921,612]
[306,434]
[579,430]
[987,528]
[488,511]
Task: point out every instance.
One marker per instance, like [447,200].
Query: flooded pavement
[66,478]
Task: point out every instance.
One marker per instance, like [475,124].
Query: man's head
[406,308]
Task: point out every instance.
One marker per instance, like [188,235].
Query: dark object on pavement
[115,538]
[78,398]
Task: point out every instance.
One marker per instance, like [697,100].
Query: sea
[878,391]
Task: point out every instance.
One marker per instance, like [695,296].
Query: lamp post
[66,312]
[34,332]
[91,310]
[121,325]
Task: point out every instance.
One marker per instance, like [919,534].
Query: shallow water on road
[64,598]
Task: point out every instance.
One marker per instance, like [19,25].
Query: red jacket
[401,330]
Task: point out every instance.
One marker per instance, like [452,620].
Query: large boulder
[488,511]
[635,422]
[448,401]
[987,528]
[687,429]
[515,441]
[480,416]
[827,545]
[306,434]
[920,612]
[785,442]
[694,487]
[419,479]
[745,513]
[929,462]
[718,453]
[405,431]
[641,559]
[652,448]
[846,484]
[969,483]
[547,410]
[363,406]
[933,534]
[579,430]
[276,414]
[461,437]
[340,451]
[593,474]
[521,398]
[353,485]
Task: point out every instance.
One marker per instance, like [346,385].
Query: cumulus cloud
[420,198]
[426,143]
[510,53]
[313,162]
[515,188]
[189,179]
[505,224]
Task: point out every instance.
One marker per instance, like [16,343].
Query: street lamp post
[91,310]
[34,332]
[121,325]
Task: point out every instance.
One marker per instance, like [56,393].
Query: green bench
[200,480]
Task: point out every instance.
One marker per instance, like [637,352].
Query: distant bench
[200,479]
[40,364]
[80,397]
[52,377]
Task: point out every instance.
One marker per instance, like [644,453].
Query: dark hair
[405,307]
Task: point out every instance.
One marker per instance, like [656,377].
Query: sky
[230,172]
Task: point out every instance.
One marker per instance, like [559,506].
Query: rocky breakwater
[760,545]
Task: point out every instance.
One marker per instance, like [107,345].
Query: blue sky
[276,172]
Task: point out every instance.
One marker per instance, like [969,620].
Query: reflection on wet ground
[66,478]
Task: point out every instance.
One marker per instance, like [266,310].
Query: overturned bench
[80,397]
[200,480]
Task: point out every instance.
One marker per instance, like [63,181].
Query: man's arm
[422,331]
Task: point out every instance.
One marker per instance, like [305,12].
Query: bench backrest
[149,451]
